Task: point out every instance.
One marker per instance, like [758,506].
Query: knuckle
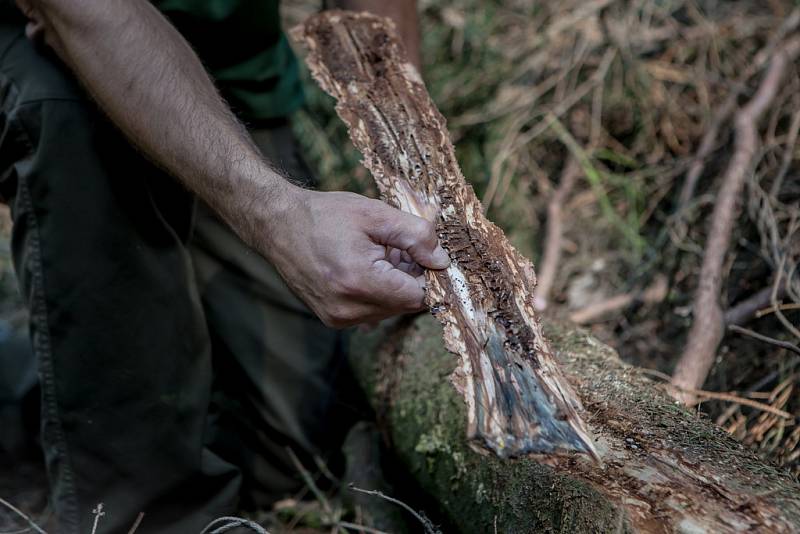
[426,229]
[341,280]
[338,316]
[371,208]
[349,285]
[406,299]
[327,318]
[328,321]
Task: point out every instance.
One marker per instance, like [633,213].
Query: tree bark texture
[663,468]
[518,401]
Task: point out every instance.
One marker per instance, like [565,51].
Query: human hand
[350,258]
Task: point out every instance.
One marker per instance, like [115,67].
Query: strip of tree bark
[664,468]
[518,401]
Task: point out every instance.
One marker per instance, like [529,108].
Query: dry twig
[751,306]
[136,523]
[21,514]
[98,513]
[429,527]
[656,292]
[766,339]
[553,240]
[224,524]
[776,305]
[309,482]
[717,395]
[707,326]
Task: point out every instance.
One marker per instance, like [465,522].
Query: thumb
[415,235]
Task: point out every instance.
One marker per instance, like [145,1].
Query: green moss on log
[665,469]
[427,421]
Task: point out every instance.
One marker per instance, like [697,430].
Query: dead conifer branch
[770,309]
[752,306]
[429,527]
[791,142]
[656,292]
[730,397]
[776,305]
[707,145]
[553,241]
[707,326]
[717,395]
[766,339]
[22,515]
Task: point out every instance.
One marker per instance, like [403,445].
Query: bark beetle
[518,401]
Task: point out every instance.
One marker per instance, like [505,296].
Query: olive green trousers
[176,366]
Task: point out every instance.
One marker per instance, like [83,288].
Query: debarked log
[663,468]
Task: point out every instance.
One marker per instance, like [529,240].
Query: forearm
[350,258]
[151,84]
[402,12]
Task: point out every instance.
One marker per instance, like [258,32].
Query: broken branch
[709,140]
[766,339]
[656,292]
[706,332]
[751,306]
[554,237]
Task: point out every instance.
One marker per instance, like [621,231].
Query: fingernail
[440,258]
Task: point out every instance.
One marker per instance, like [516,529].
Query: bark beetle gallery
[518,401]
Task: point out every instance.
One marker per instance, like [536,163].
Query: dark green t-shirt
[242,45]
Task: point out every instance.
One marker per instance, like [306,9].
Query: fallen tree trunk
[664,469]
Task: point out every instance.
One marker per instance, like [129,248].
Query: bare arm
[330,247]
[402,12]
[153,87]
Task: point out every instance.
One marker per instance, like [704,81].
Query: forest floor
[596,111]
